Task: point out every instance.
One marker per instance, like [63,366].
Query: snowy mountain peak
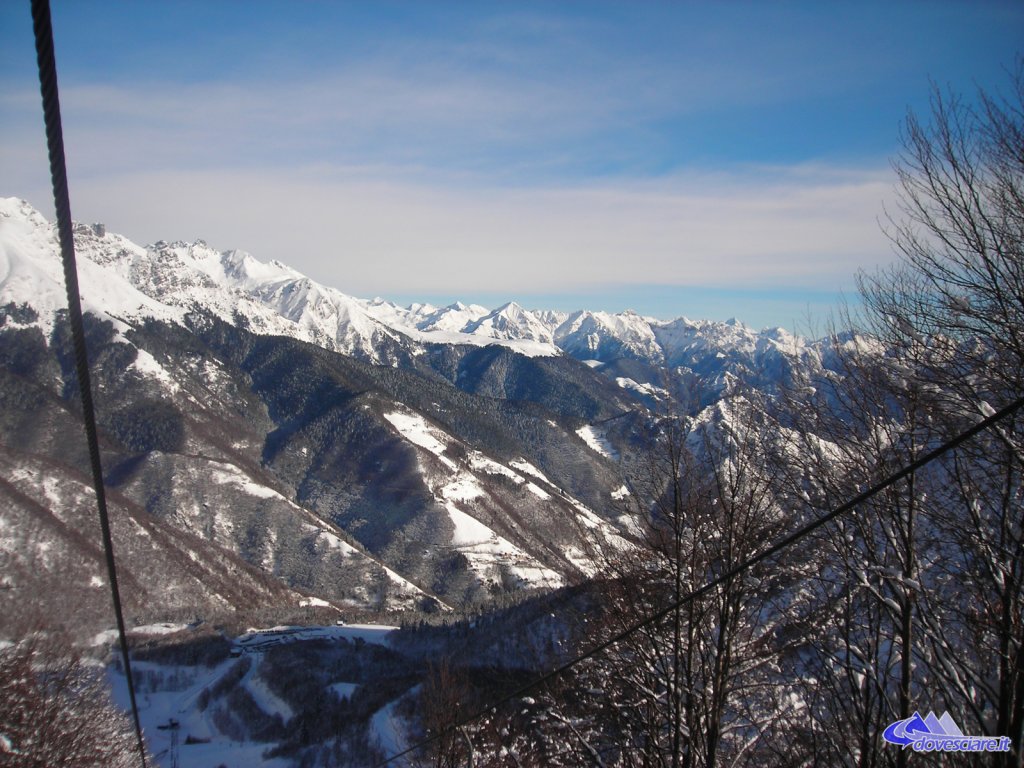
[31,271]
[248,272]
[511,321]
[603,336]
[19,209]
[455,317]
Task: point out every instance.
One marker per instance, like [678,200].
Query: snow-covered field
[178,699]
[158,710]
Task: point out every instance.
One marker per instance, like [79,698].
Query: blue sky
[699,159]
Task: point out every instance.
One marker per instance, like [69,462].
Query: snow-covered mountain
[31,271]
[279,456]
[369,454]
[272,298]
[336,444]
[235,287]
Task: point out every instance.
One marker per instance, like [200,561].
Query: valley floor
[182,726]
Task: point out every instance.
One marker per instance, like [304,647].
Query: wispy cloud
[354,117]
[809,228]
[508,94]
[469,148]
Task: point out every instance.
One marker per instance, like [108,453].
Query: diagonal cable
[43,29]
[784,543]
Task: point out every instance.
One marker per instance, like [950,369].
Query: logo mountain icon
[940,734]
[915,728]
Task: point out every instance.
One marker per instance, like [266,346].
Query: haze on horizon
[687,159]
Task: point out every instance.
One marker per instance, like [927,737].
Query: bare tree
[701,686]
[961,236]
[960,231]
[929,581]
[445,697]
[854,423]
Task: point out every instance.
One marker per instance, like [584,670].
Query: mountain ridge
[275,298]
[392,458]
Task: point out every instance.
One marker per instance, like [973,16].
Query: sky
[710,160]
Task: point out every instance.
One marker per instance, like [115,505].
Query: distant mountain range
[324,446]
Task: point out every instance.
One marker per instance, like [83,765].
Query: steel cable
[43,29]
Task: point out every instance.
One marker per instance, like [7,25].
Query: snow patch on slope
[643,389]
[463,487]
[414,428]
[486,551]
[596,439]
